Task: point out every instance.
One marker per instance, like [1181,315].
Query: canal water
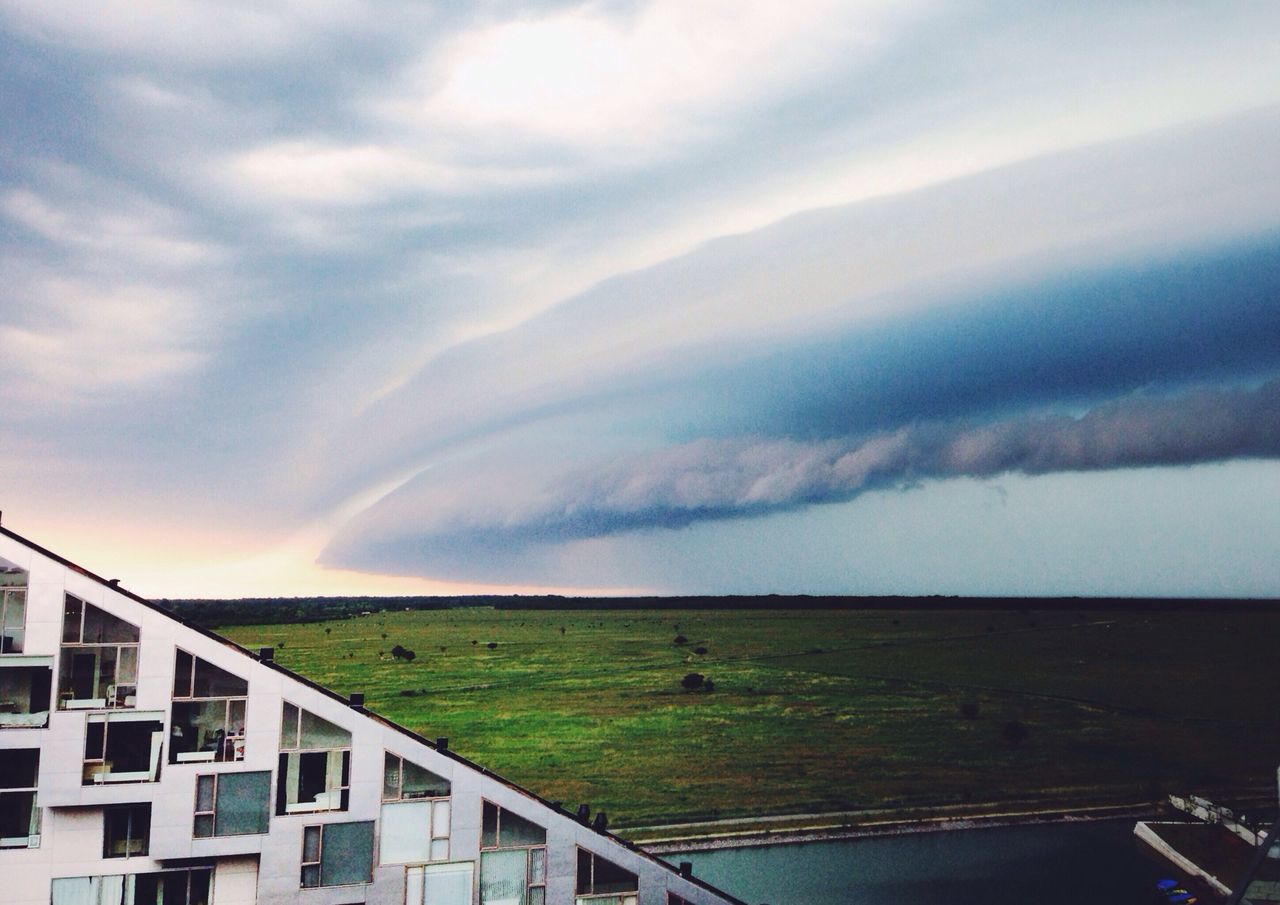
[1093,863]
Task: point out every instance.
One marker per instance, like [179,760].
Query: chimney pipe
[357,699]
[601,823]
[584,814]
[686,869]
[267,654]
[442,743]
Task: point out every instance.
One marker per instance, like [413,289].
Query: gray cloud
[710,480]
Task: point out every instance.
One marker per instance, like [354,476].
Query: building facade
[146,761]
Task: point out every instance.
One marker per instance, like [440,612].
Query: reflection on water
[1097,863]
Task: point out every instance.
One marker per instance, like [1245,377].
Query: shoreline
[757,836]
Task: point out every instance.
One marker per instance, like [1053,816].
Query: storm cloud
[709,480]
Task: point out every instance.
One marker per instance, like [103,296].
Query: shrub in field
[1014,733]
[708,686]
[699,650]
[680,639]
[969,710]
[692,681]
[492,645]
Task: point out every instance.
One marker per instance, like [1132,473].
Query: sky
[643,297]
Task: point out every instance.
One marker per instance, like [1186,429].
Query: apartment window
[168,887]
[403,779]
[440,884]
[601,882]
[208,712]
[99,664]
[126,830]
[122,747]
[25,686]
[232,804]
[513,859]
[13,608]
[19,809]
[315,763]
[337,854]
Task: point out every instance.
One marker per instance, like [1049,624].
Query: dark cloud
[710,480]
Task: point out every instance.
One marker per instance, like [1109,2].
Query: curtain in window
[502,877]
[406,832]
[347,855]
[244,801]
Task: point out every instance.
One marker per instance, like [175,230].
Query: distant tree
[384,636]
[699,650]
[409,656]
[474,641]
[680,639]
[442,648]
[562,629]
[692,681]
[492,645]
[1014,733]
[328,631]
[397,651]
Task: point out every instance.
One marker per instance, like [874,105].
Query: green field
[819,710]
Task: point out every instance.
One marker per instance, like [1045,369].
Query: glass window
[13,608]
[413,832]
[170,887]
[232,804]
[126,830]
[123,747]
[403,779]
[19,808]
[601,882]
[315,763]
[24,694]
[503,829]
[99,659]
[440,884]
[337,854]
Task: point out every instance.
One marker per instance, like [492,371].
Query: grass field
[818,710]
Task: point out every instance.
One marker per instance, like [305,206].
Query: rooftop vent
[267,654]
[584,814]
[357,699]
[442,743]
[686,869]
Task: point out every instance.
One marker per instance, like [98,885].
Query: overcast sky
[864,297]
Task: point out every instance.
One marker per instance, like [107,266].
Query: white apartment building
[146,761]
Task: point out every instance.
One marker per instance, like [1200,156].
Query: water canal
[1098,863]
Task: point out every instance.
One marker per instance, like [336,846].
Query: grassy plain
[819,710]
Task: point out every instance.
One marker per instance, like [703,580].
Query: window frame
[317,864]
[343,786]
[9,593]
[233,743]
[131,812]
[116,695]
[38,668]
[35,818]
[592,895]
[211,815]
[106,719]
[540,848]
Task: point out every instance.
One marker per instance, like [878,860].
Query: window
[122,747]
[99,667]
[13,608]
[513,859]
[415,814]
[337,854]
[403,779]
[315,763]
[19,811]
[601,882]
[126,830]
[673,899]
[440,884]
[25,686]
[168,887]
[232,804]
[208,712]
